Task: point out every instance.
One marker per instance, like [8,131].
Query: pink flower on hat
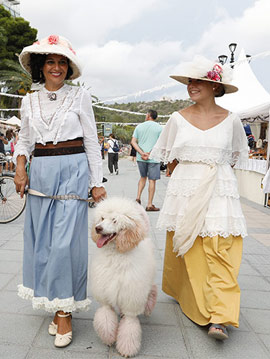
[217,68]
[213,75]
[53,39]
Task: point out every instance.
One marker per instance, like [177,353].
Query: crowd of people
[201,212]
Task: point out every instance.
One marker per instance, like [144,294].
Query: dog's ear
[94,234]
[130,238]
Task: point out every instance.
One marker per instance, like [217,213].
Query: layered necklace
[52,97]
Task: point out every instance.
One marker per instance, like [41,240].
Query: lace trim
[233,225]
[208,155]
[188,187]
[66,305]
[59,118]
[74,98]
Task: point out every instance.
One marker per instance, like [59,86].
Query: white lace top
[67,118]
[195,149]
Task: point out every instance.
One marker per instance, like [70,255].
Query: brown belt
[69,147]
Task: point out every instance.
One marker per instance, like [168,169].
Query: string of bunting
[137,94]
[94,105]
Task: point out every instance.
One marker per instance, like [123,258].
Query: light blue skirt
[56,235]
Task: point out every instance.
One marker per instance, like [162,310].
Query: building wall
[13,6]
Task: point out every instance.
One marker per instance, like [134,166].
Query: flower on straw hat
[203,69]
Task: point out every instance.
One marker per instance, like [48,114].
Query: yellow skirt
[204,281]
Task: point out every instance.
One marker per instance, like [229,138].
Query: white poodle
[122,272]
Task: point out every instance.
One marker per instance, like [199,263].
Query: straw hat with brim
[52,44]
[202,69]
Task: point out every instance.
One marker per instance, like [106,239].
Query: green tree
[16,34]
[15,79]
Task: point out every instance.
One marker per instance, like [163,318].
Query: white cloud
[113,68]
[119,68]
[251,31]
[83,21]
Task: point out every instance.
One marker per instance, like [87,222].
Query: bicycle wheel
[11,204]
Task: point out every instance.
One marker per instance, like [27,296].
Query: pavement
[167,333]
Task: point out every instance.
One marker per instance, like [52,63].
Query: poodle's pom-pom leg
[151,301]
[129,336]
[106,324]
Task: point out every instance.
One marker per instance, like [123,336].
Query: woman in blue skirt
[58,127]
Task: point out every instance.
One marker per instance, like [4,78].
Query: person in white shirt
[112,155]
[202,212]
[57,123]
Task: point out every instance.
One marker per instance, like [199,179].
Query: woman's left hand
[98,193]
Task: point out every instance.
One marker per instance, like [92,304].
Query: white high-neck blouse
[195,149]
[67,118]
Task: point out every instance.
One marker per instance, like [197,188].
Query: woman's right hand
[21,178]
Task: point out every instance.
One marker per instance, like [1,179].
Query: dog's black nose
[98,229]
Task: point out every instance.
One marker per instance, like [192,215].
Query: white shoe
[63,340]
[52,328]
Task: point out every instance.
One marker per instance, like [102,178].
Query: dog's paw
[129,336]
[106,324]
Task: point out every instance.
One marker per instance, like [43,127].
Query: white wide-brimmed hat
[52,44]
[203,69]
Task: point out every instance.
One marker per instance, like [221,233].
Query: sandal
[52,328]
[152,209]
[138,200]
[219,333]
[63,340]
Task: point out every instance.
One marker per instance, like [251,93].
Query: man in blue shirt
[143,140]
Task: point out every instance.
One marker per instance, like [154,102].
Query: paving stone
[13,283]
[162,342]
[19,329]
[255,299]
[13,245]
[258,320]
[247,269]
[11,255]
[253,283]
[264,269]
[266,340]
[11,351]
[4,279]
[163,313]
[10,267]
[257,258]
[240,345]
[11,303]
[67,353]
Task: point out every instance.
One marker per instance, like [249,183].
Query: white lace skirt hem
[66,305]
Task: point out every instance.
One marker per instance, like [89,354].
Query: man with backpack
[113,154]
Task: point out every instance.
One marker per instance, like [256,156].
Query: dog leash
[60,197]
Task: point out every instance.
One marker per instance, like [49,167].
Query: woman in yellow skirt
[201,211]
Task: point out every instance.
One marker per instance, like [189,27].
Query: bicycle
[11,204]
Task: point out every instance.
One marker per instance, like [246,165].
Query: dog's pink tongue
[101,241]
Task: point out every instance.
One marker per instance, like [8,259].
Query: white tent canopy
[252,99]
[13,121]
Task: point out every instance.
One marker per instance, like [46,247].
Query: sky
[128,46]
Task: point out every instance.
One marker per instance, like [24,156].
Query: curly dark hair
[37,62]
